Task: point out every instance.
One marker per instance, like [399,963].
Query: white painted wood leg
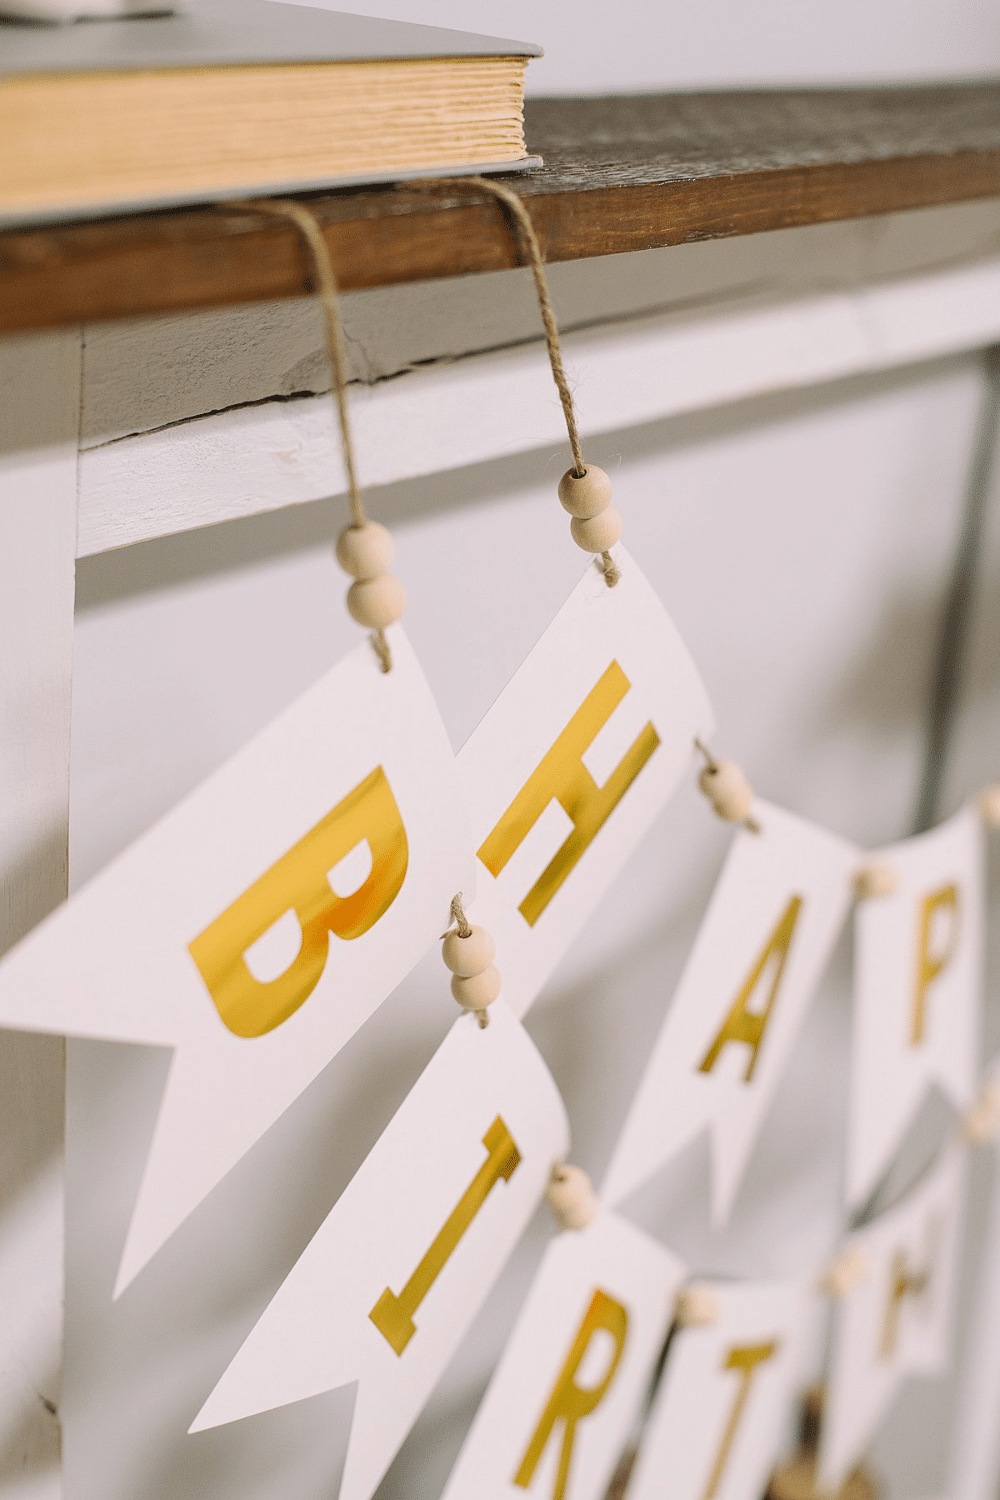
[974,1460]
[39,424]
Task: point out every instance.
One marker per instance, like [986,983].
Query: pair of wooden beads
[728,790]
[476,979]
[376,598]
[596,525]
[571,1197]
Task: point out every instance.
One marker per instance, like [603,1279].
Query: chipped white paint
[145,373]
[279,452]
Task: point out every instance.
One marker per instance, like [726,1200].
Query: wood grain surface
[620,174]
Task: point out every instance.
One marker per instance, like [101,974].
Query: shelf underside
[620,174]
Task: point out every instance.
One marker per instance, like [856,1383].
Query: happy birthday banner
[260,923]
[257,926]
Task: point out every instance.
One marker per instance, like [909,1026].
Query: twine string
[459,918]
[325,286]
[711,764]
[515,203]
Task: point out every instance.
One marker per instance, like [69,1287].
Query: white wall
[593,48]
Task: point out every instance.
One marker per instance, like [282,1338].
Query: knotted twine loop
[522,218]
[325,286]
[459,918]
[711,764]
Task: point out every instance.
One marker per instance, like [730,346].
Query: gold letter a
[745,1025]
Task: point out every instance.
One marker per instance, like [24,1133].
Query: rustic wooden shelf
[620,174]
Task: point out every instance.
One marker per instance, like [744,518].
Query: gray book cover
[231,33]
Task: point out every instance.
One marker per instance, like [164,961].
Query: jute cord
[459,918]
[325,286]
[711,764]
[522,218]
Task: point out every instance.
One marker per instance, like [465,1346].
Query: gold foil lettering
[570,1402]
[392,1315]
[561,776]
[298,882]
[930,962]
[746,1359]
[745,1025]
[903,1283]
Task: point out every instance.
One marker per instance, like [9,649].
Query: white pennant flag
[897,1321]
[390,1282]
[572,764]
[574,1375]
[720,1413]
[259,924]
[918,989]
[758,956]
[974,1445]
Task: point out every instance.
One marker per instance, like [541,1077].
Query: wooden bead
[848,1271]
[981,1123]
[599,532]
[696,1307]
[875,881]
[466,956]
[365,551]
[571,1198]
[477,991]
[989,805]
[587,494]
[376,602]
[728,790]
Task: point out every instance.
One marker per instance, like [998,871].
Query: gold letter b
[298,882]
